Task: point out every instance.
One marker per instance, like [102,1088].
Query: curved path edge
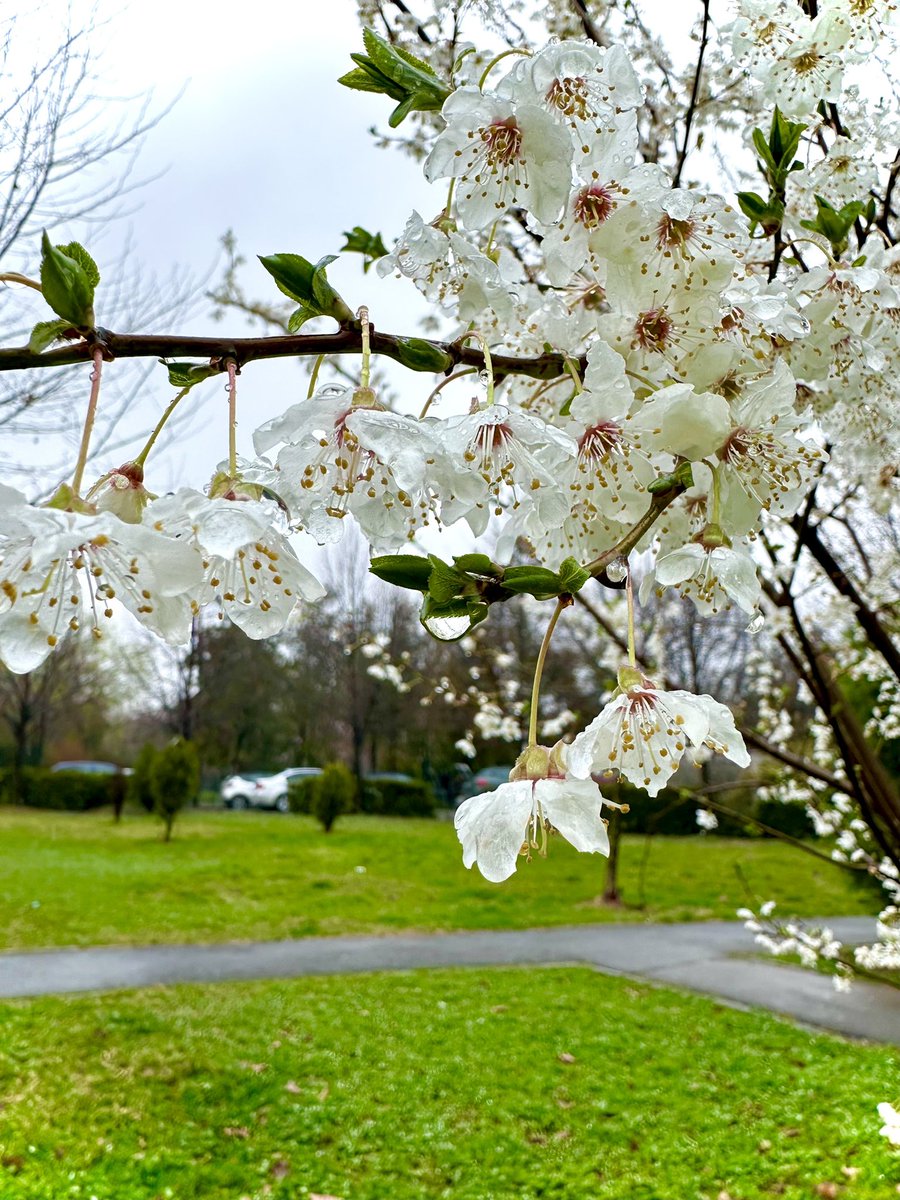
[701,957]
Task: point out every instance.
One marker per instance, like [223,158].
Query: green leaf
[308,284]
[403,570]
[572,576]
[684,475]
[66,286]
[77,251]
[45,333]
[396,73]
[186,375]
[420,355]
[369,245]
[300,316]
[532,581]
[444,582]
[477,564]
[292,272]
[360,81]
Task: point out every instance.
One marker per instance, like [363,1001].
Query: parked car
[91,767]
[262,789]
[485,780]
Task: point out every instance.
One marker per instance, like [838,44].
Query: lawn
[505,1084]
[78,879]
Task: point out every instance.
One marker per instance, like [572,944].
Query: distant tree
[176,780]
[333,794]
[140,782]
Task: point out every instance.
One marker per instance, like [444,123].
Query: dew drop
[617,570]
[447,629]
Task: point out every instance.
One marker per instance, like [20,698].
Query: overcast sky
[262,140]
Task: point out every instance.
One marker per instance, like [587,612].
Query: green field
[505,1084]
[78,879]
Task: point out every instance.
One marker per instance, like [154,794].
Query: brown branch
[348,340]
[695,91]
[808,535]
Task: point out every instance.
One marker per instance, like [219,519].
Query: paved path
[700,957]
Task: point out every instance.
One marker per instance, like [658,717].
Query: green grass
[505,1084]
[78,879]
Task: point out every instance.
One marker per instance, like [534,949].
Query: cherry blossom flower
[502,154]
[583,87]
[250,571]
[712,574]
[346,454]
[516,818]
[60,571]
[644,731]
[494,451]
[448,270]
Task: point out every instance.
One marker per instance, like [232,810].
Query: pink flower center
[737,446]
[593,205]
[652,329]
[503,140]
[672,234]
[599,440]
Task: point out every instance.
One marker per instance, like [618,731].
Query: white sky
[265,142]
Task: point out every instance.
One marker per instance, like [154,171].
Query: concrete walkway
[700,957]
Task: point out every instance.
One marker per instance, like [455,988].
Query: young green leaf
[419,355]
[45,333]
[369,245]
[66,286]
[403,570]
[186,375]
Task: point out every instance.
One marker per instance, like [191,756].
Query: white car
[259,790]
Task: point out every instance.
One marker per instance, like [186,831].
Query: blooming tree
[668,302]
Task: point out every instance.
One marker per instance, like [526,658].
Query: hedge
[69,791]
[397,797]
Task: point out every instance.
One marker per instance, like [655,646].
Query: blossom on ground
[496,827]
[891,1127]
[644,731]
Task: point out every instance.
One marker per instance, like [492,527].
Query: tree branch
[348,340]
[695,91]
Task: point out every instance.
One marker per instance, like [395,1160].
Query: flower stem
[572,368]
[232,417]
[443,384]
[97,357]
[15,277]
[170,408]
[488,364]
[629,593]
[363,315]
[716,514]
[314,377]
[561,603]
[500,57]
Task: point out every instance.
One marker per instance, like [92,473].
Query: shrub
[140,782]
[175,781]
[333,793]
[301,791]
[398,797]
[64,791]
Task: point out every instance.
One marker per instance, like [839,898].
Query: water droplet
[483,378]
[756,622]
[617,570]
[447,629]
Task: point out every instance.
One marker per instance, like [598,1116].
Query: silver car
[257,789]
